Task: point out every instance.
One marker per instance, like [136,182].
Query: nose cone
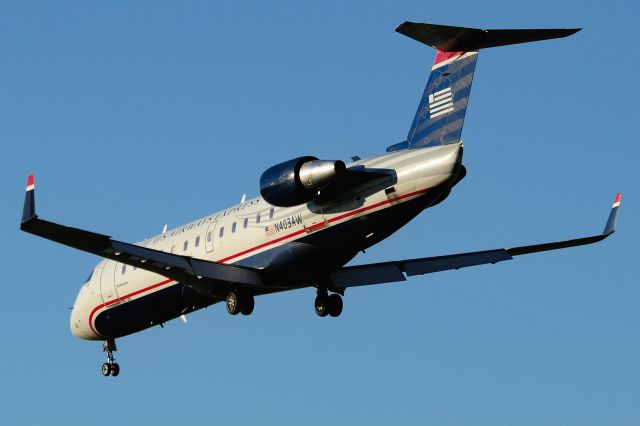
[79,319]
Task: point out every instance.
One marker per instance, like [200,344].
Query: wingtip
[617,200]
[29,208]
[610,227]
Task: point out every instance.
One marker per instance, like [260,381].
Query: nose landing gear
[110,367]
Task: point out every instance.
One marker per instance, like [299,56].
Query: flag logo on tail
[440,102]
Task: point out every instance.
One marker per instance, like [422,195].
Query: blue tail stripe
[442,108]
[428,127]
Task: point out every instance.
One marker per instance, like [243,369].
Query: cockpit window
[89,277]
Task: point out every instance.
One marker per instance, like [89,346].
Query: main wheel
[334,305]
[115,369]
[321,306]
[106,369]
[247,305]
[233,307]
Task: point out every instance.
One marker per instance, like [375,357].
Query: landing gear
[110,367]
[322,310]
[247,305]
[328,304]
[335,305]
[240,302]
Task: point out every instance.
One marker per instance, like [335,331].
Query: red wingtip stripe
[30,181]
[616,202]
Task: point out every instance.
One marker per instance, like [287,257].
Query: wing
[385,272]
[198,273]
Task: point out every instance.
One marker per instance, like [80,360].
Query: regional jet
[312,217]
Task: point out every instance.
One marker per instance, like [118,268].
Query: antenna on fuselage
[244,197]
[164,229]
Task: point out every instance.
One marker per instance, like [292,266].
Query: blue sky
[133,115]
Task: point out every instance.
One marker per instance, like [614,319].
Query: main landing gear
[240,302]
[110,367]
[326,304]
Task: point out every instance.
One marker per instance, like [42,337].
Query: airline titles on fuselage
[206,220]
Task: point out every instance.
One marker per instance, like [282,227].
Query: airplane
[312,217]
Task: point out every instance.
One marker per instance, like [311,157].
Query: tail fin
[441,112]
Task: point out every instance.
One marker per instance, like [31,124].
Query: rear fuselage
[295,246]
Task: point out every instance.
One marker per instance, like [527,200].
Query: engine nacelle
[298,181]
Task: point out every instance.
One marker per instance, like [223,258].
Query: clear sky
[137,114]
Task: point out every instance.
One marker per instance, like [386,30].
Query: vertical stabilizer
[443,106]
[441,112]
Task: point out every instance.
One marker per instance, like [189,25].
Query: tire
[106,369]
[233,304]
[321,306]
[335,305]
[247,305]
[115,369]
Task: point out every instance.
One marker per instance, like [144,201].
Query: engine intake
[298,181]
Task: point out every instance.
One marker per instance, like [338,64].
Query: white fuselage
[238,233]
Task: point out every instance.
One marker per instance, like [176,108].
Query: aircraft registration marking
[283,224]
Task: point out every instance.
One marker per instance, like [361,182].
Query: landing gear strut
[110,367]
[326,304]
[240,302]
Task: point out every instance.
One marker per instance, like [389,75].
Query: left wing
[198,273]
[385,272]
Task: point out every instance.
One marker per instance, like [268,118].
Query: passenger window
[221,231]
[246,222]
[258,218]
[124,268]
[185,245]
[209,236]
[271,213]
[197,241]
[233,227]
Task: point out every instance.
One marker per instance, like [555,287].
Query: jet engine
[298,181]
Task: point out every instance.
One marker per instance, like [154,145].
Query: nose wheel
[110,368]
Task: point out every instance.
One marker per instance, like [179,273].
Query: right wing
[198,273]
[394,271]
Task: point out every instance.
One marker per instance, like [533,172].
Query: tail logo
[440,102]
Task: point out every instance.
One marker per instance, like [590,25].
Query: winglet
[29,210]
[610,227]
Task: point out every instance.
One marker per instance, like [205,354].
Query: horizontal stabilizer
[460,39]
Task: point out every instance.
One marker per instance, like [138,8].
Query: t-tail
[443,106]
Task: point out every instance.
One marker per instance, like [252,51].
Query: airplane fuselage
[294,246]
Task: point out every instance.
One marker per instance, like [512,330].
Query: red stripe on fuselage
[258,247]
[320,225]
